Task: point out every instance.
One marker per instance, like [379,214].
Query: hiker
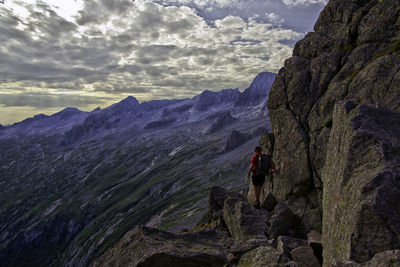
[261,165]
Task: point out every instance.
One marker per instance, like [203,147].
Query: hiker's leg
[257,191]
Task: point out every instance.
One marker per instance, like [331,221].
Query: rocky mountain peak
[208,98]
[96,109]
[67,112]
[256,93]
[128,104]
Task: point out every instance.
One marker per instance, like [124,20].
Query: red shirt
[254,162]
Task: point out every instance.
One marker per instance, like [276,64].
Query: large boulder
[383,259]
[314,240]
[144,246]
[242,219]
[304,256]
[283,221]
[287,244]
[361,180]
[216,206]
[262,256]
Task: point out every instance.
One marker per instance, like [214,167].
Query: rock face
[242,220]
[304,256]
[354,53]
[283,221]
[235,139]
[208,98]
[145,246]
[361,180]
[262,256]
[383,259]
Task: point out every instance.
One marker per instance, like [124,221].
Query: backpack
[264,164]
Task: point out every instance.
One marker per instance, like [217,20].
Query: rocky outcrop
[234,235]
[208,99]
[262,256]
[235,140]
[283,221]
[242,220]
[219,121]
[159,124]
[304,256]
[361,180]
[145,246]
[286,244]
[383,259]
[257,91]
[354,53]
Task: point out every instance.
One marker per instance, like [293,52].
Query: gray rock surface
[287,244]
[361,180]
[242,219]
[383,259]
[354,53]
[269,202]
[283,221]
[216,205]
[304,256]
[235,140]
[314,240]
[262,256]
[145,246]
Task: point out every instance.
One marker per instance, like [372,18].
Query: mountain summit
[254,94]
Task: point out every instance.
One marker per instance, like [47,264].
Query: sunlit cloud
[149,49]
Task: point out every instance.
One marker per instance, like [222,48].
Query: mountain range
[75,182]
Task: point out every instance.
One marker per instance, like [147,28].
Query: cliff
[326,143]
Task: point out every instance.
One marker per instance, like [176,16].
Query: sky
[56,53]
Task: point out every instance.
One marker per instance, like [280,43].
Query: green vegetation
[346,47]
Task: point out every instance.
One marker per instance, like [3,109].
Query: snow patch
[176,150]
[52,207]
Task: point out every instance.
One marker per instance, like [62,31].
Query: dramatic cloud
[108,49]
[304,2]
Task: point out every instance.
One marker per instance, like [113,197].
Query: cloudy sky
[89,53]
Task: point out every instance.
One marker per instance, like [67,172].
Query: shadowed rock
[242,219]
[235,140]
[145,246]
[383,259]
[287,244]
[354,53]
[304,256]
[283,221]
[262,256]
[361,180]
[216,206]
[269,202]
[314,240]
